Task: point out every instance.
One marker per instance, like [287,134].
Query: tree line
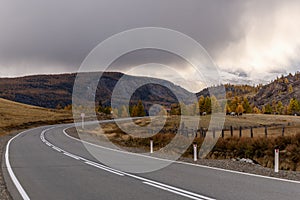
[206,105]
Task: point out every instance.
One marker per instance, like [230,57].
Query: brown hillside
[51,91]
[282,89]
[14,116]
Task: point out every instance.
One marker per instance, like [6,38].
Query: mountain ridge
[51,91]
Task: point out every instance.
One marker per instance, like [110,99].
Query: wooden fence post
[222,133]
[240,131]
[282,131]
[231,131]
[266,131]
[251,132]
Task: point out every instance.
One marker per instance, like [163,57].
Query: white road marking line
[47,143]
[169,188]
[83,159]
[185,163]
[172,191]
[72,156]
[104,168]
[12,175]
[10,171]
[60,150]
[57,149]
[98,164]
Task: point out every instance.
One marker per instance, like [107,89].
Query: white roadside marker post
[151,146]
[276,166]
[195,151]
[82,120]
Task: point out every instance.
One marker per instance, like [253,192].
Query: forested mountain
[280,96]
[55,91]
[282,89]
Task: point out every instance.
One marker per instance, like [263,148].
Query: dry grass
[292,126]
[15,116]
[259,148]
[253,120]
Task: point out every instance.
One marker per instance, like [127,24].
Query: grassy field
[252,120]
[257,121]
[275,123]
[15,116]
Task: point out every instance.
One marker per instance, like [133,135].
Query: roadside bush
[261,150]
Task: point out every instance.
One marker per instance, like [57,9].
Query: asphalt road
[44,163]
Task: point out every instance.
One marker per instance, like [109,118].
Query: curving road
[44,163]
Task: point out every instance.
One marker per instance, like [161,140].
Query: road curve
[44,163]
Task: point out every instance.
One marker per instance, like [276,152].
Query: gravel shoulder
[245,167]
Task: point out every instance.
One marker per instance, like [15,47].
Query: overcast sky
[250,41]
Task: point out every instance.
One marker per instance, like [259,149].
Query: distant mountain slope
[231,90]
[42,90]
[51,91]
[282,89]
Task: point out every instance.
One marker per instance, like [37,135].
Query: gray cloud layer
[55,36]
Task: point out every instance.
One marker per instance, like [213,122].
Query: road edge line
[11,173]
[168,188]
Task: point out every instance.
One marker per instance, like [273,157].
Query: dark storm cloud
[54,36]
[144,56]
[39,36]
